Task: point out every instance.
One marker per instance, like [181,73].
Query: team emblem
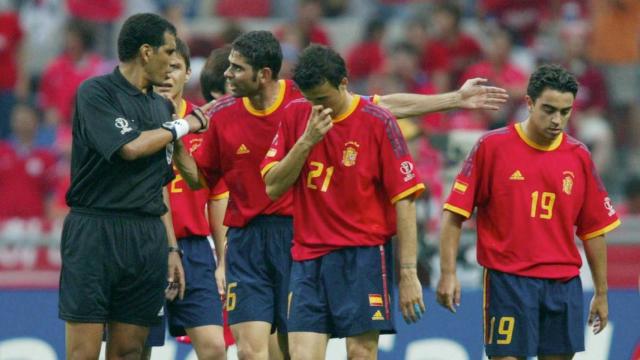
[609,206]
[567,182]
[123,125]
[350,153]
[406,168]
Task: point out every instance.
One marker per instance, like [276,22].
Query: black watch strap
[176,249]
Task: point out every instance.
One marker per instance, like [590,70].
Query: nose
[227,73]
[556,119]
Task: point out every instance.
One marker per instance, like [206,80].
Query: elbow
[273,192]
[129,152]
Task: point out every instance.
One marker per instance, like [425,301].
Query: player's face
[158,60]
[173,86]
[550,114]
[242,80]
[327,95]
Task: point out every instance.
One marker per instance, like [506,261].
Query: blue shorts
[344,293]
[526,316]
[201,304]
[258,266]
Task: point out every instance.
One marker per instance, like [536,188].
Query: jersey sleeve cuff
[224,195]
[457,210]
[375,99]
[415,190]
[602,231]
[266,168]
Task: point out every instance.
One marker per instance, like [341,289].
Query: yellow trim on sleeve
[602,231]
[375,99]
[417,189]
[224,195]
[457,210]
[267,167]
[352,107]
[270,109]
[554,145]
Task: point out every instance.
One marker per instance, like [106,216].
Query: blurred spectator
[13,77]
[450,51]
[65,73]
[631,207]
[174,12]
[307,25]
[521,18]
[26,172]
[368,55]
[62,146]
[415,33]
[242,8]
[103,14]
[502,72]
[43,22]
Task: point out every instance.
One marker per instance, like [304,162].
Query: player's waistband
[271,220]
[193,238]
[117,213]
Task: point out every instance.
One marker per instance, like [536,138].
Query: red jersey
[345,193]
[10,37]
[188,207]
[233,147]
[530,199]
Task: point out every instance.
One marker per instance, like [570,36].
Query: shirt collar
[125,85]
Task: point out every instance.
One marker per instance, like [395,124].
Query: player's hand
[448,292]
[318,125]
[175,277]
[221,280]
[411,303]
[198,119]
[474,96]
[598,313]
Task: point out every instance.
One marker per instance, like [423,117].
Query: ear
[188,76]
[145,51]
[343,84]
[265,74]
[530,102]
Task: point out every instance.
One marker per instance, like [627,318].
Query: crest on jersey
[567,182]
[123,125]
[406,168]
[607,205]
[350,153]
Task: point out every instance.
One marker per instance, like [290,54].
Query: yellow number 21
[317,170]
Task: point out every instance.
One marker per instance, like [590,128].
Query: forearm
[450,231]
[404,105]
[282,176]
[407,236]
[596,251]
[217,209]
[167,220]
[186,166]
[148,143]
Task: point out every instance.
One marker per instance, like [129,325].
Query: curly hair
[318,64]
[551,76]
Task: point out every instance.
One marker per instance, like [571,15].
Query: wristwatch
[176,249]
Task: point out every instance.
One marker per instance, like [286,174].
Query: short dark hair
[318,64]
[551,76]
[261,49]
[212,77]
[451,9]
[182,49]
[140,29]
[84,30]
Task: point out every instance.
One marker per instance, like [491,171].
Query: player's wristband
[178,128]
[199,114]
[176,249]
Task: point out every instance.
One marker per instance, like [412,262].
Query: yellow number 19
[546,204]
[505,329]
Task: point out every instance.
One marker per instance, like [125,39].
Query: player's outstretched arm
[471,96]
[216,210]
[409,288]
[284,174]
[187,166]
[448,290]
[596,251]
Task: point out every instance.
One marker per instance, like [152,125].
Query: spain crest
[350,153]
[567,182]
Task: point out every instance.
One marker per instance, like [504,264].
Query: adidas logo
[242,150]
[377,316]
[517,175]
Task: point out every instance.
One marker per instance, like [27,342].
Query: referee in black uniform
[115,250]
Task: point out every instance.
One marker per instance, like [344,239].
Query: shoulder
[497,136]
[95,85]
[225,104]
[576,146]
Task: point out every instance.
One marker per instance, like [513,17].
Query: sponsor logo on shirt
[375,300]
[123,125]
[406,168]
[242,150]
[517,175]
[567,182]
[194,144]
[460,187]
[609,206]
[377,315]
[350,153]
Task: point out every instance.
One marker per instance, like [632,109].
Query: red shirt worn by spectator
[104,11]
[10,36]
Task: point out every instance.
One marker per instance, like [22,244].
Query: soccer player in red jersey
[535,188]
[353,184]
[260,230]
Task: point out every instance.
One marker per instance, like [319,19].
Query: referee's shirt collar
[123,83]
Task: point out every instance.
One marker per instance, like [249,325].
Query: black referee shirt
[109,113]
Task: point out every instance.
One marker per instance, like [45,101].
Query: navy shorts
[114,268]
[344,293]
[201,305]
[258,266]
[526,316]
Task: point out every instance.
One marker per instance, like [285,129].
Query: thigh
[307,345]
[280,240]
[511,314]
[252,339]
[561,318]
[308,310]
[363,346]
[125,340]
[83,340]
[358,284]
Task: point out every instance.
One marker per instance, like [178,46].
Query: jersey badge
[517,175]
[123,125]
[406,168]
[609,206]
[375,300]
[460,187]
[377,316]
[567,182]
[350,153]
[242,150]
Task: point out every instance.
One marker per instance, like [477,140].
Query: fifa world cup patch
[375,300]
[377,315]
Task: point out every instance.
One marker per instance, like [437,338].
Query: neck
[344,105]
[529,131]
[267,96]
[134,73]
[178,101]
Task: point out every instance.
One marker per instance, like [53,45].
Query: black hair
[212,77]
[451,9]
[318,64]
[551,76]
[182,49]
[84,30]
[261,49]
[140,29]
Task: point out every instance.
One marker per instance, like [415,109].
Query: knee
[213,349]
[82,354]
[360,351]
[249,352]
[125,353]
[298,351]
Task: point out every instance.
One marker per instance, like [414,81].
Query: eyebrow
[555,108]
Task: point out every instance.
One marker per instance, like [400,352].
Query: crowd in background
[48,47]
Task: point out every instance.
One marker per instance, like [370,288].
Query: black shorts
[114,268]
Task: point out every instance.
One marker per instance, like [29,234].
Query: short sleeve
[399,176]
[103,126]
[219,191]
[207,156]
[466,187]
[597,215]
[276,152]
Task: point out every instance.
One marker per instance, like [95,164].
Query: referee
[115,249]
